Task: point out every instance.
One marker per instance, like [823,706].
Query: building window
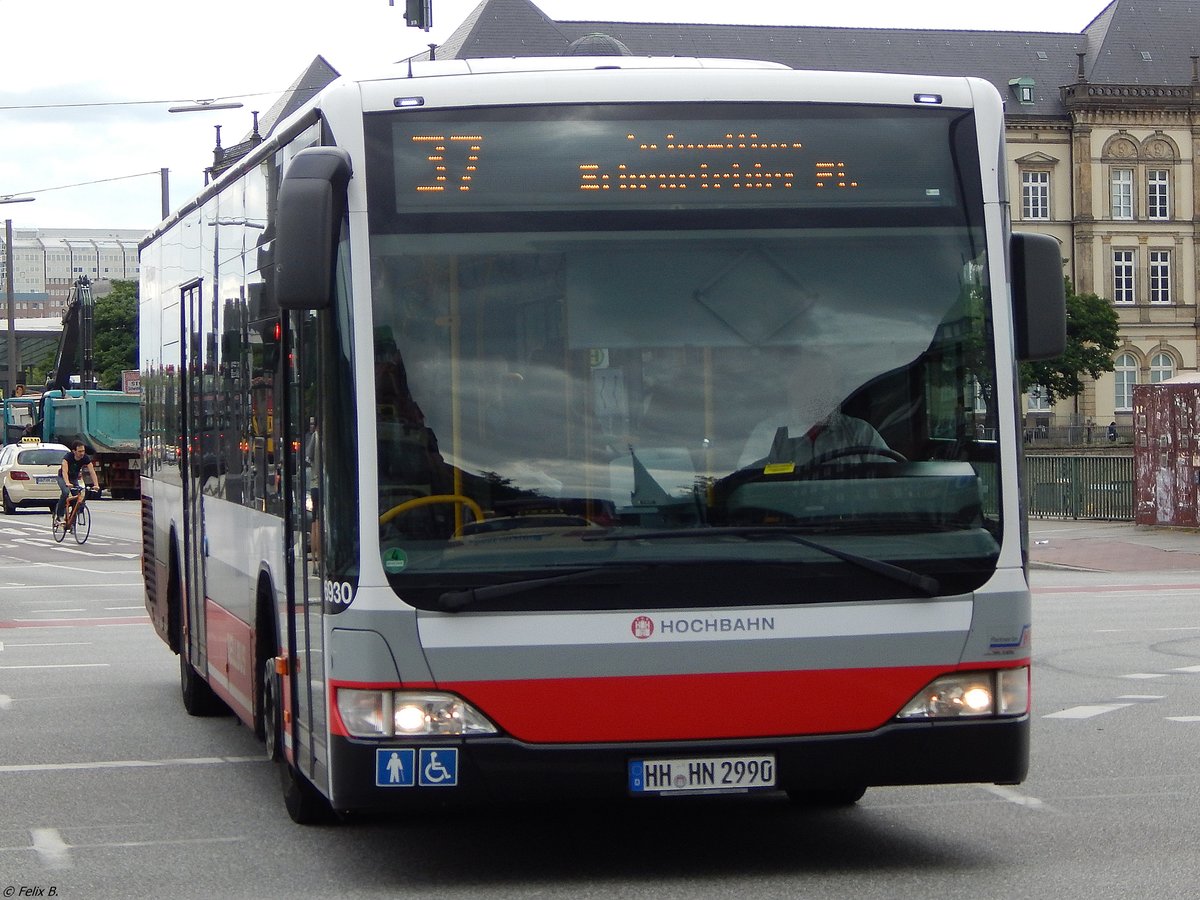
[1037,400]
[1160,276]
[1035,195]
[1123,276]
[1023,89]
[1125,371]
[980,402]
[1158,194]
[1162,367]
[1122,193]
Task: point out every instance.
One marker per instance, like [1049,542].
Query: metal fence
[1079,487]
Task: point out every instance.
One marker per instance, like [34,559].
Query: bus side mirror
[1039,298]
[308,219]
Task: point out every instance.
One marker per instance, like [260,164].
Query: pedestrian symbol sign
[395,768]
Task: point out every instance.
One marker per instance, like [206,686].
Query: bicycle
[76,518]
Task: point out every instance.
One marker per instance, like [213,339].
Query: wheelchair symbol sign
[438,767]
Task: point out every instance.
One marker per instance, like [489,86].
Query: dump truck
[108,423]
[73,408]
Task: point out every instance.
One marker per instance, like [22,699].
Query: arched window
[1125,372]
[1162,367]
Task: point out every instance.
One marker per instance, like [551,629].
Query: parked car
[27,474]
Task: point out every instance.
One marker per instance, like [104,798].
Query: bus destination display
[589,163]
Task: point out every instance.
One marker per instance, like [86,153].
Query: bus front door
[304,630]
[193,469]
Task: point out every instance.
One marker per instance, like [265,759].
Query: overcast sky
[85,85]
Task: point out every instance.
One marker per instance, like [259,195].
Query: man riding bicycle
[70,479]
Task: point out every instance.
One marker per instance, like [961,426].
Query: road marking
[76,609]
[1142,697]
[90,585]
[1163,628]
[51,848]
[63,666]
[106,621]
[1183,718]
[1086,712]
[126,845]
[130,764]
[1145,675]
[1188,669]
[119,608]
[10,644]
[1012,796]
[5,701]
[90,555]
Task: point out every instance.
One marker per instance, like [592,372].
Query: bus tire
[266,645]
[827,798]
[198,697]
[304,803]
[271,713]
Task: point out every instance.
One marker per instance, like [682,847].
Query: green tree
[115,319]
[1092,327]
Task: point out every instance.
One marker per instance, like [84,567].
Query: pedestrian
[1112,431]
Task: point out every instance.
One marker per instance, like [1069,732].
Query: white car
[27,474]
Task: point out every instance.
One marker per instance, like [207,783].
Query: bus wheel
[198,697]
[304,803]
[828,798]
[269,700]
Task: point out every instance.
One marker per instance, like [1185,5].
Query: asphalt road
[109,790]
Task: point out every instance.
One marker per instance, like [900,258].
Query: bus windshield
[574,389]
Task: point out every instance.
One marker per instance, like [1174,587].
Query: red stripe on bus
[229,643]
[694,707]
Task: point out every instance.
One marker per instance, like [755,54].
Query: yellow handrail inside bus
[431,500]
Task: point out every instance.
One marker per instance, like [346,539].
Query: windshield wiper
[456,601]
[925,584]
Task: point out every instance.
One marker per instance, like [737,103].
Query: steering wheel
[433,500]
[855,450]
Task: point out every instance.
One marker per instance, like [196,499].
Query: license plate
[46,479]
[707,775]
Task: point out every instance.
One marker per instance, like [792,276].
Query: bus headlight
[367,713]
[1003,692]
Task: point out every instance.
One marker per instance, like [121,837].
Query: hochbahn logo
[643,627]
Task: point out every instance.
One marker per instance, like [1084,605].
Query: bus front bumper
[397,775]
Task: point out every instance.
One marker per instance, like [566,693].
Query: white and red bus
[601,427]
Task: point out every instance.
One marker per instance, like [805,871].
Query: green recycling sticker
[394,560]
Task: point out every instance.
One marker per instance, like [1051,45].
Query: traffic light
[419,13]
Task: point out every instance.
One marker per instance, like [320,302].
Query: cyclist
[70,477]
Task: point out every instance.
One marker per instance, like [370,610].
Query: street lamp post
[14,364]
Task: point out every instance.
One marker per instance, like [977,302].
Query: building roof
[318,74]
[1144,42]
[1114,46]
